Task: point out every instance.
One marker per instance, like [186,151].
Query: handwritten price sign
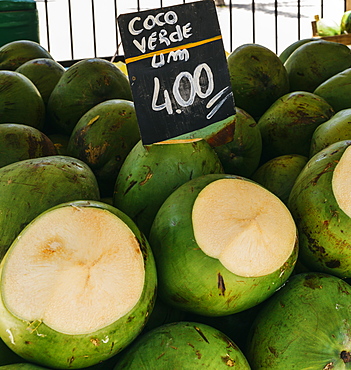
[177,69]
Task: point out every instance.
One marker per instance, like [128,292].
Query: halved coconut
[222,244]
[77,276]
[320,205]
[341,182]
[243,225]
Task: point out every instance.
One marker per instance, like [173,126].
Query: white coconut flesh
[243,225]
[341,182]
[76,269]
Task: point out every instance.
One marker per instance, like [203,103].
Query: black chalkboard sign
[177,69]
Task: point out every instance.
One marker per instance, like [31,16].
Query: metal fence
[77,29]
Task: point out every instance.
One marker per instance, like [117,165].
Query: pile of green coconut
[228,246]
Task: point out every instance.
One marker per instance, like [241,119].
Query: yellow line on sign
[166,51]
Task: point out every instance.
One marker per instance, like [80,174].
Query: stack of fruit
[224,247]
[331,27]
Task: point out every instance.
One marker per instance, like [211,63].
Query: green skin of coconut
[183,345]
[292,47]
[236,326]
[15,53]
[336,90]
[345,25]
[44,73]
[38,343]
[314,62]
[337,128]
[324,229]
[151,173]
[19,142]
[82,86]
[31,186]
[103,137]
[22,366]
[237,142]
[20,100]
[305,325]
[241,156]
[258,78]
[181,263]
[278,175]
[288,125]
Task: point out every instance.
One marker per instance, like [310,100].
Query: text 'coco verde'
[187,86]
[137,26]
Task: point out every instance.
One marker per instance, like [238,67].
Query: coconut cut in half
[341,182]
[82,277]
[246,227]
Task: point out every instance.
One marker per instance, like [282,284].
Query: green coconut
[31,186]
[183,345]
[237,142]
[82,86]
[150,173]
[314,62]
[258,78]
[288,125]
[284,55]
[222,244]
[305,325]
[345,24]
[103,137]
[337,128]
[77,286]
[44,73]
[278,175]
[19,142]
[320,204]
[336,90]
[20,100]
[17,52]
